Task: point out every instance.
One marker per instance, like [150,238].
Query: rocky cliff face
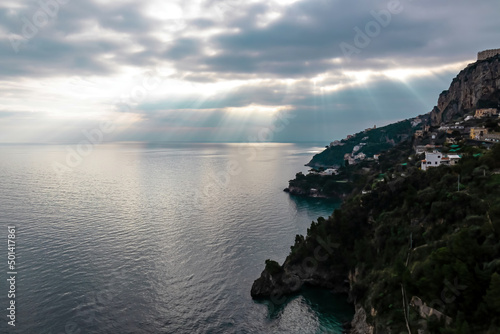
[477,86]
[293,277]
[359,324]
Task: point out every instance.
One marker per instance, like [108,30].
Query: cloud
[231,54]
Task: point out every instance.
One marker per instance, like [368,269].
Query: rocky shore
[290,279]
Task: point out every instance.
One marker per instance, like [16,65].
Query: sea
[154,238]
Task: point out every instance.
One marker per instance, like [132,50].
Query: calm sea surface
[143,238]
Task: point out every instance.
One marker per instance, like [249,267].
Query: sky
[234,71]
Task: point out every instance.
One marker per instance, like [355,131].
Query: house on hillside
[336,143]
[374,127]
[454,158]
[419,149]
[360,156]
[349,159]
[329,171]
[432,159]
[436,159]
[478,133]
[415,122]
[488,112]
[451,140]
[492,137]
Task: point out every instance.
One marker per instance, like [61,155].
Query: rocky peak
[476,86]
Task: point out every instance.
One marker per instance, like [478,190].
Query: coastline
[397,236]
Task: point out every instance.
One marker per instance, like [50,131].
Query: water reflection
[311,205]
[326,311]
[124,224]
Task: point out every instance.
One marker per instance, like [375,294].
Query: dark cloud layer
[298,44]
[228,40]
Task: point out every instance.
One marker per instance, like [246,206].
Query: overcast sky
[285,70]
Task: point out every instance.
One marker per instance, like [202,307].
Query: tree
[273,267]
[492,297]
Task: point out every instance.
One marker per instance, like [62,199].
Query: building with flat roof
[436,159]
[480,113]
[487,54]
[478,133]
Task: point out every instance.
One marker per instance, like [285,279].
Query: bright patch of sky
[208,70]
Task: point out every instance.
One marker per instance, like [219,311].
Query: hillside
[416,251]
[371,142]
[476,86]
[426,234]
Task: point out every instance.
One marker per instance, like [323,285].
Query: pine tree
[492,297]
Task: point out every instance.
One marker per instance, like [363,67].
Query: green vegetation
[434,233]
[329,186]
[358,177]
[420,250]
[377,140]
[273,267]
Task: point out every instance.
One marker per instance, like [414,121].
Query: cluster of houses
[473,133]
[342,142]
[433,156]
[484,134]
[488,112]
[354,158]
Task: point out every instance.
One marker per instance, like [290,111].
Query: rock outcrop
[275,286]
[308,192]
[293,276]
[426,312]
[477,86]
[359,324]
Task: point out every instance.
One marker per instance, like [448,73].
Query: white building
[360,156]
[416,122]
[436,159]
[432,159]
[336,143]
[454,158]
[329,171]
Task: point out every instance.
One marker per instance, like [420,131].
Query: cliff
[419,251]
[477,86]
[416,252]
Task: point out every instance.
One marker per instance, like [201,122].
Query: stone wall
[487,54]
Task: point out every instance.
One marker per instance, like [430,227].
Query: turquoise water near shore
[157,238]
